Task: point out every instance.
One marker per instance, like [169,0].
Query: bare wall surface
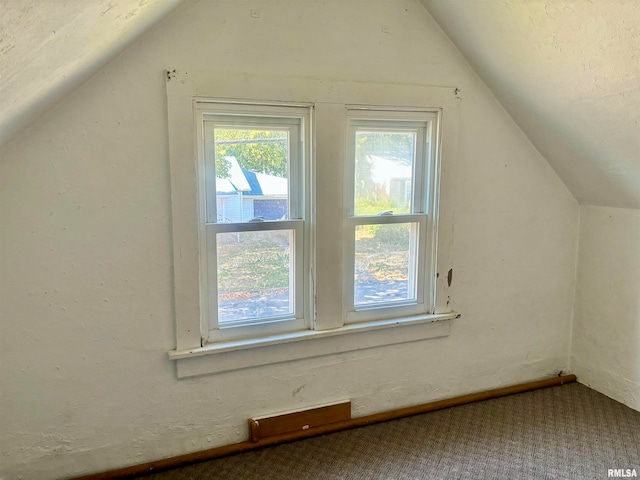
[568,71]
[606,339]
[85,248]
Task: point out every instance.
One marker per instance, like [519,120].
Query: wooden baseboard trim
[190,458]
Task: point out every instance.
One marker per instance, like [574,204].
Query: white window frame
[328,331]
[425,192]
[297,120]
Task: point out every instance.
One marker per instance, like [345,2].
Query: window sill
[226,356]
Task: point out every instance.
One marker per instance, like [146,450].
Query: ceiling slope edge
[32,90]
[568,73]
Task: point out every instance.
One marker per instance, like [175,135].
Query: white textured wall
[606,338]
[86,285]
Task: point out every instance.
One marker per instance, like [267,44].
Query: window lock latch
[385,213]
[256,219]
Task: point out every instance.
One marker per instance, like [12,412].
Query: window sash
[417,252]
[295,126]
[270,324]
[390,119]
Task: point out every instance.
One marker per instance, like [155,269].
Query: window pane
[383,171]
[255,275]
[252,171]
[385,263]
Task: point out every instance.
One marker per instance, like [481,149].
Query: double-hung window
[390,229]
[253,170]
[308,216]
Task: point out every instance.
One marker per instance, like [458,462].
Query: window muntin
[388,249]
[253,186]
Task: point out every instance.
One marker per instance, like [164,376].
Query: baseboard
[190,458]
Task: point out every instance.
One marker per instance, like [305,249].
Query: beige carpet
[567,432]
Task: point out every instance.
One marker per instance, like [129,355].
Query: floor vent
[307,419]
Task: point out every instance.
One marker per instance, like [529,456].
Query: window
[309,217]
[391,189]
[252,168]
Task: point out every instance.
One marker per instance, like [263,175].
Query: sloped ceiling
[568,72]
[48,47]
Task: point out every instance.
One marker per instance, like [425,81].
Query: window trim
[223,357]
[330,99]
